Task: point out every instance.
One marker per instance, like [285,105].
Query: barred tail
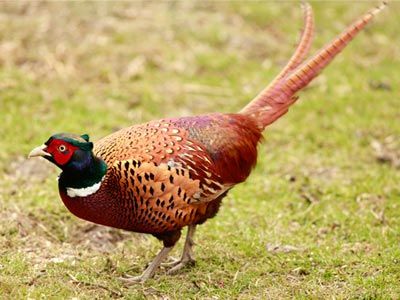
[301,51]
[270,105]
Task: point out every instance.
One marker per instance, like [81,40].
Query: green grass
[319,185]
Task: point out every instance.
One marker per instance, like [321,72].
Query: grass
[318,218]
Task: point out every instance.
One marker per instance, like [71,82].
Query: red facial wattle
[61,151]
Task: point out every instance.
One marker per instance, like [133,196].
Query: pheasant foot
[187,254]
[180,265]
[150,270]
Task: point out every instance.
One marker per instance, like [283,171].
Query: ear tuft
[85,137]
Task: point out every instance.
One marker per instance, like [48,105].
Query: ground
[318,218]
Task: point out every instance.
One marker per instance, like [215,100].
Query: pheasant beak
[39,151]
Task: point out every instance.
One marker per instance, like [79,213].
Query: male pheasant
[164,175]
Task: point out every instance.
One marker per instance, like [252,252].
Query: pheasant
[161,176]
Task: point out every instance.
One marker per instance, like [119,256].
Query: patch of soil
[376,204]
[357,248]
[100,238]
[36,169]
[25,233]
[279,248]
[387,151]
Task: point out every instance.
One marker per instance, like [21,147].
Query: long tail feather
[266,108]
[298,56]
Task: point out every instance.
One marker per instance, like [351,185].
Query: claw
[172,263]
[128,279]
[180,265]
[150,270]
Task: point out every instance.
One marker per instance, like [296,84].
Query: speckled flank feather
[158,198]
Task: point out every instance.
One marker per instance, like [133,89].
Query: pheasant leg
[187,254]
[151,269]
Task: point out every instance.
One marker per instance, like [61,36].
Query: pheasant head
[73,155]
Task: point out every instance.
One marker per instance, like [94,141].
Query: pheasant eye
[62,148]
